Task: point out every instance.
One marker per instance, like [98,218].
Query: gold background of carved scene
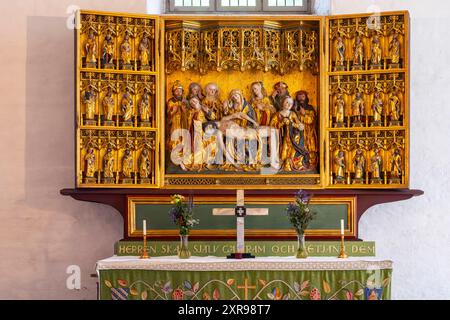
[355,69]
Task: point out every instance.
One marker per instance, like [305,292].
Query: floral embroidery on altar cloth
[273,290]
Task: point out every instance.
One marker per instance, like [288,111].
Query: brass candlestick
[342,254]
[144,250]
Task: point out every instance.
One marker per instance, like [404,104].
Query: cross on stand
[240,212]
[246,286]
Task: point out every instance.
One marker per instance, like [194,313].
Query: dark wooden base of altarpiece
[117,198]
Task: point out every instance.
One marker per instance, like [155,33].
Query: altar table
[203,278]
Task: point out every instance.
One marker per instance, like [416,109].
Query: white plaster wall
[42,232]
[415,233]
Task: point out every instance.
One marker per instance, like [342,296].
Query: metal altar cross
[240,212]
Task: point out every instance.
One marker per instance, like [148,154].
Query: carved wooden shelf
[117,198]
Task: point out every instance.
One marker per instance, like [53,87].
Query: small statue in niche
[339,162]
[340,55]
[212,101]
[176,109]
[293,154]
[357,110]
[358,54]
[308,117]
[126,106]
[279,93]
[359,164]
[125,52]
[108,166]
[90,166]
[396,167]
[394,108]
[339,110]
[376,164]
[90,99]
[394,52]
[145,166]
[145,109]
[91,50]
[127,167]
[144,53]
[108,52]
[377,108]
[261,104]
[376,53]
[108,108]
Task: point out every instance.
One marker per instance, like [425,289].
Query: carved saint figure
[358,51]
[279,93]
[376,52]
[127,106]
[339,161]
[357,107]
[144,107]
[238,116]
[108,164]
[261,104]
[340,51]
[339,108]
[394,49]
[176,105]
[91,48]
[90,163]
[394,105]
[144,51]
[89,99]
[195,91]
[293,155]
[108,105]
[144,164]
[359,163]
[212,100]
[396,164]
[125,49]
[108,49]
[127,164]
[376,163]
[307,116]
[377,106]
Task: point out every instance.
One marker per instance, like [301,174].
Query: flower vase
[184,252]
[301,250]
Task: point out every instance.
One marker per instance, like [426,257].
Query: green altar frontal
[275,278]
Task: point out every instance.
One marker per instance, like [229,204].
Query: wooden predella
[205,105]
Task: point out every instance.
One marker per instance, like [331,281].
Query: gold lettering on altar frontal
[286,248]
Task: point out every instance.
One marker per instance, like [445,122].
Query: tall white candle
[144,227]
[342,226]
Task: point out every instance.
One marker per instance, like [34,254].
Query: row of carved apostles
[382,110]
[127,44]
[118,102]
[368,43]
[376,166]
[111,166]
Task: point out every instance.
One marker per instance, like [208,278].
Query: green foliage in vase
[299,213]
[182,213]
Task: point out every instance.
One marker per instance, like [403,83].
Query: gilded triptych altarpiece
[137,80]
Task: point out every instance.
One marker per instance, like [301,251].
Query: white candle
[342,227]
[144,227]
